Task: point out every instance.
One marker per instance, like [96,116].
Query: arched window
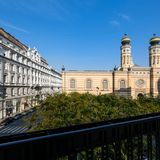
[153,59]
[157,59]
[88,84]
[127,59]
[123,60]
[122,84]
[105,84]
[158,85]
[72,83]
[12,92]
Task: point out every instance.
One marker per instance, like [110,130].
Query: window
[12,92]
[6,66]
[19,79]
[158,85]
[23,60]
[122,84]
[72,83]
[23,91]
[12,56]
[12,68]
[5,79]
[18,91]
[127,59]
[18,69]
[28,79]
[105,84]
[5,92]
[12,79]
[153,59]
[27,90]
[23,80]
[23,70]
[88,84]
[123,60]
[158,59]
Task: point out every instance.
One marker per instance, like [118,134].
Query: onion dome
[154,40]
[125,40]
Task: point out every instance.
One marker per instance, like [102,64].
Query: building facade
[25,76]
[128,80]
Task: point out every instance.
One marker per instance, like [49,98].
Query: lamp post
[64,78]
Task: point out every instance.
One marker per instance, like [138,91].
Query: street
[15,127]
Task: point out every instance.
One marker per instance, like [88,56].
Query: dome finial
[63,68]
[125,34]
[154,34]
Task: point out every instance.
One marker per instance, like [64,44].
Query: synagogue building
[128,80]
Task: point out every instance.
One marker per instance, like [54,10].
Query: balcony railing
[135,138]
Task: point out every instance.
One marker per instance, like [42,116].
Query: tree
[62,110]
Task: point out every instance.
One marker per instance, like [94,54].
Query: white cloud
[114,22]
[13,26]
[124,16]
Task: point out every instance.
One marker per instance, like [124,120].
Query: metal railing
[134,138]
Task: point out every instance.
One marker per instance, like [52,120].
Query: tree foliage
[63,110]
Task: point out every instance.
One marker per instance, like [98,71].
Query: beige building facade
[128,80]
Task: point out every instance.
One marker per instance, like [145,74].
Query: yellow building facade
[128,80]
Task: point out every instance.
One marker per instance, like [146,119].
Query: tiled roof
[12,39]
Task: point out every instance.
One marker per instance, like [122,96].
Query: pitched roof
[12,39]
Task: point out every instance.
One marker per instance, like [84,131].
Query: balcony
[12,72]
[13,83]
[5,71]
[18,83]
[133,138]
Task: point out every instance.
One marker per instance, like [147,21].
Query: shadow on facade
[18,106]
[126,92]
[9,108]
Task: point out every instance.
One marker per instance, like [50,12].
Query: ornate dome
[154,40]
[125,40]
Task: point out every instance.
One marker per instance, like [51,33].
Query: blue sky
[82,34]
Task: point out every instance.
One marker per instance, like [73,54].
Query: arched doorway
[140,95]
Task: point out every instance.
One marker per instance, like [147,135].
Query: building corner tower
[126,56]
[154,63]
